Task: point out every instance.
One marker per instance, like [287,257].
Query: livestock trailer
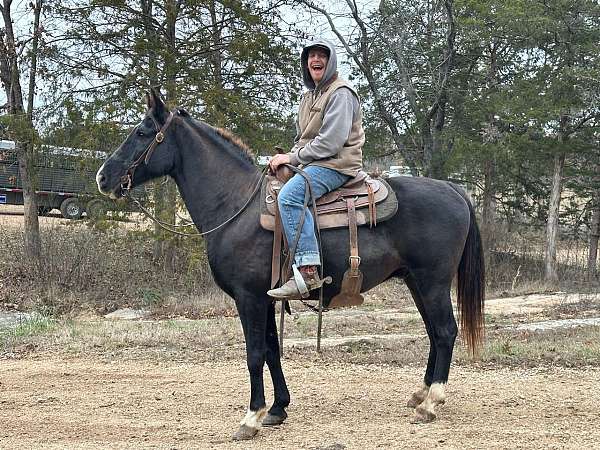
[65,180]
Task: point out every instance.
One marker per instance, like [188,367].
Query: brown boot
[291,290]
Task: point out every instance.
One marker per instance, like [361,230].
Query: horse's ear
[155,103]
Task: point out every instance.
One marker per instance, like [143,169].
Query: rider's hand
[278,160]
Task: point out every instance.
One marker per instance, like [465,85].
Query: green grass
[26,331]
[34,326]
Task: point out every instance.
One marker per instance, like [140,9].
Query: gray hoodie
[330,70]
[342,110]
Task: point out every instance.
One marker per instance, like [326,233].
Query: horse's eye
[140,133]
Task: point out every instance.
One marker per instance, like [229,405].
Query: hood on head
[331,68]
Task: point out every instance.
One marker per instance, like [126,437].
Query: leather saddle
[360,201]
[372,201]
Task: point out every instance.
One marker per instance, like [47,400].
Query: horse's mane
[236,141]
[221,133]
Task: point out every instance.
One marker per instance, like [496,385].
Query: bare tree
[383,47]
[594,235]
[21,127]
[567,126]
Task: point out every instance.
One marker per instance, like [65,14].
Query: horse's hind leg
[276,414]
[418,396]
[433,302]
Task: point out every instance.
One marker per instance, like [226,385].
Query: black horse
[432,238]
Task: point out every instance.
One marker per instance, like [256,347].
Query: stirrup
[296,287]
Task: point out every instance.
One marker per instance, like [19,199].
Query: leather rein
[145,156]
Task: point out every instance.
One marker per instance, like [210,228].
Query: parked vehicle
[66,180]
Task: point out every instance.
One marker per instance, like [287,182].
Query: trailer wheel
[70,208]
[96,209]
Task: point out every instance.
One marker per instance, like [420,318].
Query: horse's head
[148,152]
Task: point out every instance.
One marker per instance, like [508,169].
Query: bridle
[127,179]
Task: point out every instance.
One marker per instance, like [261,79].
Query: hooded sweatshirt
[329,126]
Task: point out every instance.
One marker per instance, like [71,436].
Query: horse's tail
[471,284]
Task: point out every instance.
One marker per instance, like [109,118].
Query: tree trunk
[33,244]
[161,246]
[551,273]
[165,203]
[147,7]
[215,37]
[488,216]
[165,189]
[22,122]
[432,123]
[594,234]
[440,152]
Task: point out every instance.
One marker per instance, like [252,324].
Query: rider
[328,146]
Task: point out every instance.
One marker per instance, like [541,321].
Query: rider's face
[317,63]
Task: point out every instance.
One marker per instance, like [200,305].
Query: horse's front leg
[253,315]
[277,413]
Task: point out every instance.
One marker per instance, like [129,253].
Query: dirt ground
[98,398]
[91,403]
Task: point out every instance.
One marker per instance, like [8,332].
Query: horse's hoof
[272,420]
[244,433]
[423,415]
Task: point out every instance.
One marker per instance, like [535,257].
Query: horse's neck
[214,182]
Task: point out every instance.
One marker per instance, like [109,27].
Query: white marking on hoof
[425,412]
[437,393]
[254,419]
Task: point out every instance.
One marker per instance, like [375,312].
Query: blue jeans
[291,205]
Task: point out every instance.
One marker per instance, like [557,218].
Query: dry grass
[378,334]
[572,347]
[100,269]
[128,339]
[515,263]
[109,265]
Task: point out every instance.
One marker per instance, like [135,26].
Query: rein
[170,227]
[126,181]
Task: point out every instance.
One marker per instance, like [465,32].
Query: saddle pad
[334,213]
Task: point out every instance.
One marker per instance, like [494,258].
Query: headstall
[127,179]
